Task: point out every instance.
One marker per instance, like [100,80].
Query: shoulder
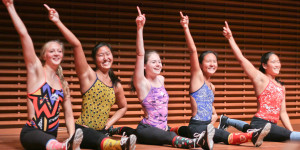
[213,87]
[118,87]
[161,78]
[283,87]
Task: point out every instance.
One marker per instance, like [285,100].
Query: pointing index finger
[226,24]
[181,14]
[139,11]
[48,8]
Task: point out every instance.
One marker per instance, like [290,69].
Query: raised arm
[197,77]
[254,74]
[83,70]
[30,57]
[139,79]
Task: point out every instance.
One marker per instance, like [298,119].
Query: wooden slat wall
[258,26]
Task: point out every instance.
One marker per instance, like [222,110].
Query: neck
[51,71]
[270,76]
[207,77]
[103,73]
[151,78]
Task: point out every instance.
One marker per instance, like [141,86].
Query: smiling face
[153,65]
[104,58]
[273,65]
[52,53]
[209,64]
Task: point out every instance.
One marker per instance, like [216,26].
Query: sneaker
[259,134]
[207,141]
[128,143]
[223,123]
[75,141]
[198,139]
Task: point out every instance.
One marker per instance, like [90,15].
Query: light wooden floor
[9,140]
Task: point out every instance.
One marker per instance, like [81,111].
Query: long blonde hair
[59,70]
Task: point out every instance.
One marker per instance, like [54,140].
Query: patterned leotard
[204,98]
[46,102]
[270,102]
[96,105]
[156,105]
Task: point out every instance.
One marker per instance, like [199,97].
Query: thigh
[147,134]
[32,138]
[128,131]
[91,138]
[278,134]
[192,129]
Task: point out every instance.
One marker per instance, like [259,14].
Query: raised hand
[184,21]
[140,19]
[226,31]
[53,14]
[8,3]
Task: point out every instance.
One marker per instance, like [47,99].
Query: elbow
[23,33]
[125,108]
[77,44]
[140,54]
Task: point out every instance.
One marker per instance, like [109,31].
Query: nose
[56,52]
[157,64]
[105,57]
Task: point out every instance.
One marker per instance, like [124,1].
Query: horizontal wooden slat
[258,27]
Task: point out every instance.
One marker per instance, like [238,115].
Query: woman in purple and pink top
[149,85]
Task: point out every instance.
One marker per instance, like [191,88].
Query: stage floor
[9,140]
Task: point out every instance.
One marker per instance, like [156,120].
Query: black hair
[264,60]
[114,79]
[203,54]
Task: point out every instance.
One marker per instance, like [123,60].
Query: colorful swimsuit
[270,102]
[156,105]
[96,105]
[204,98]
[46,102]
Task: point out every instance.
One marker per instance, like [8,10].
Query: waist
[198,122]
[269,116]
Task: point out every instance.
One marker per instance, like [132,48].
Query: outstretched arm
[249,69]
[83,70]
[30,57]
[139,77]
[197,78]
[184,21]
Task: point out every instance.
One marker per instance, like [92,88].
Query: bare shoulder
[118,87]
[161,78]
[213,87]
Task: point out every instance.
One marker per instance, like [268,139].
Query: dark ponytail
[114,79]
[264,60]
